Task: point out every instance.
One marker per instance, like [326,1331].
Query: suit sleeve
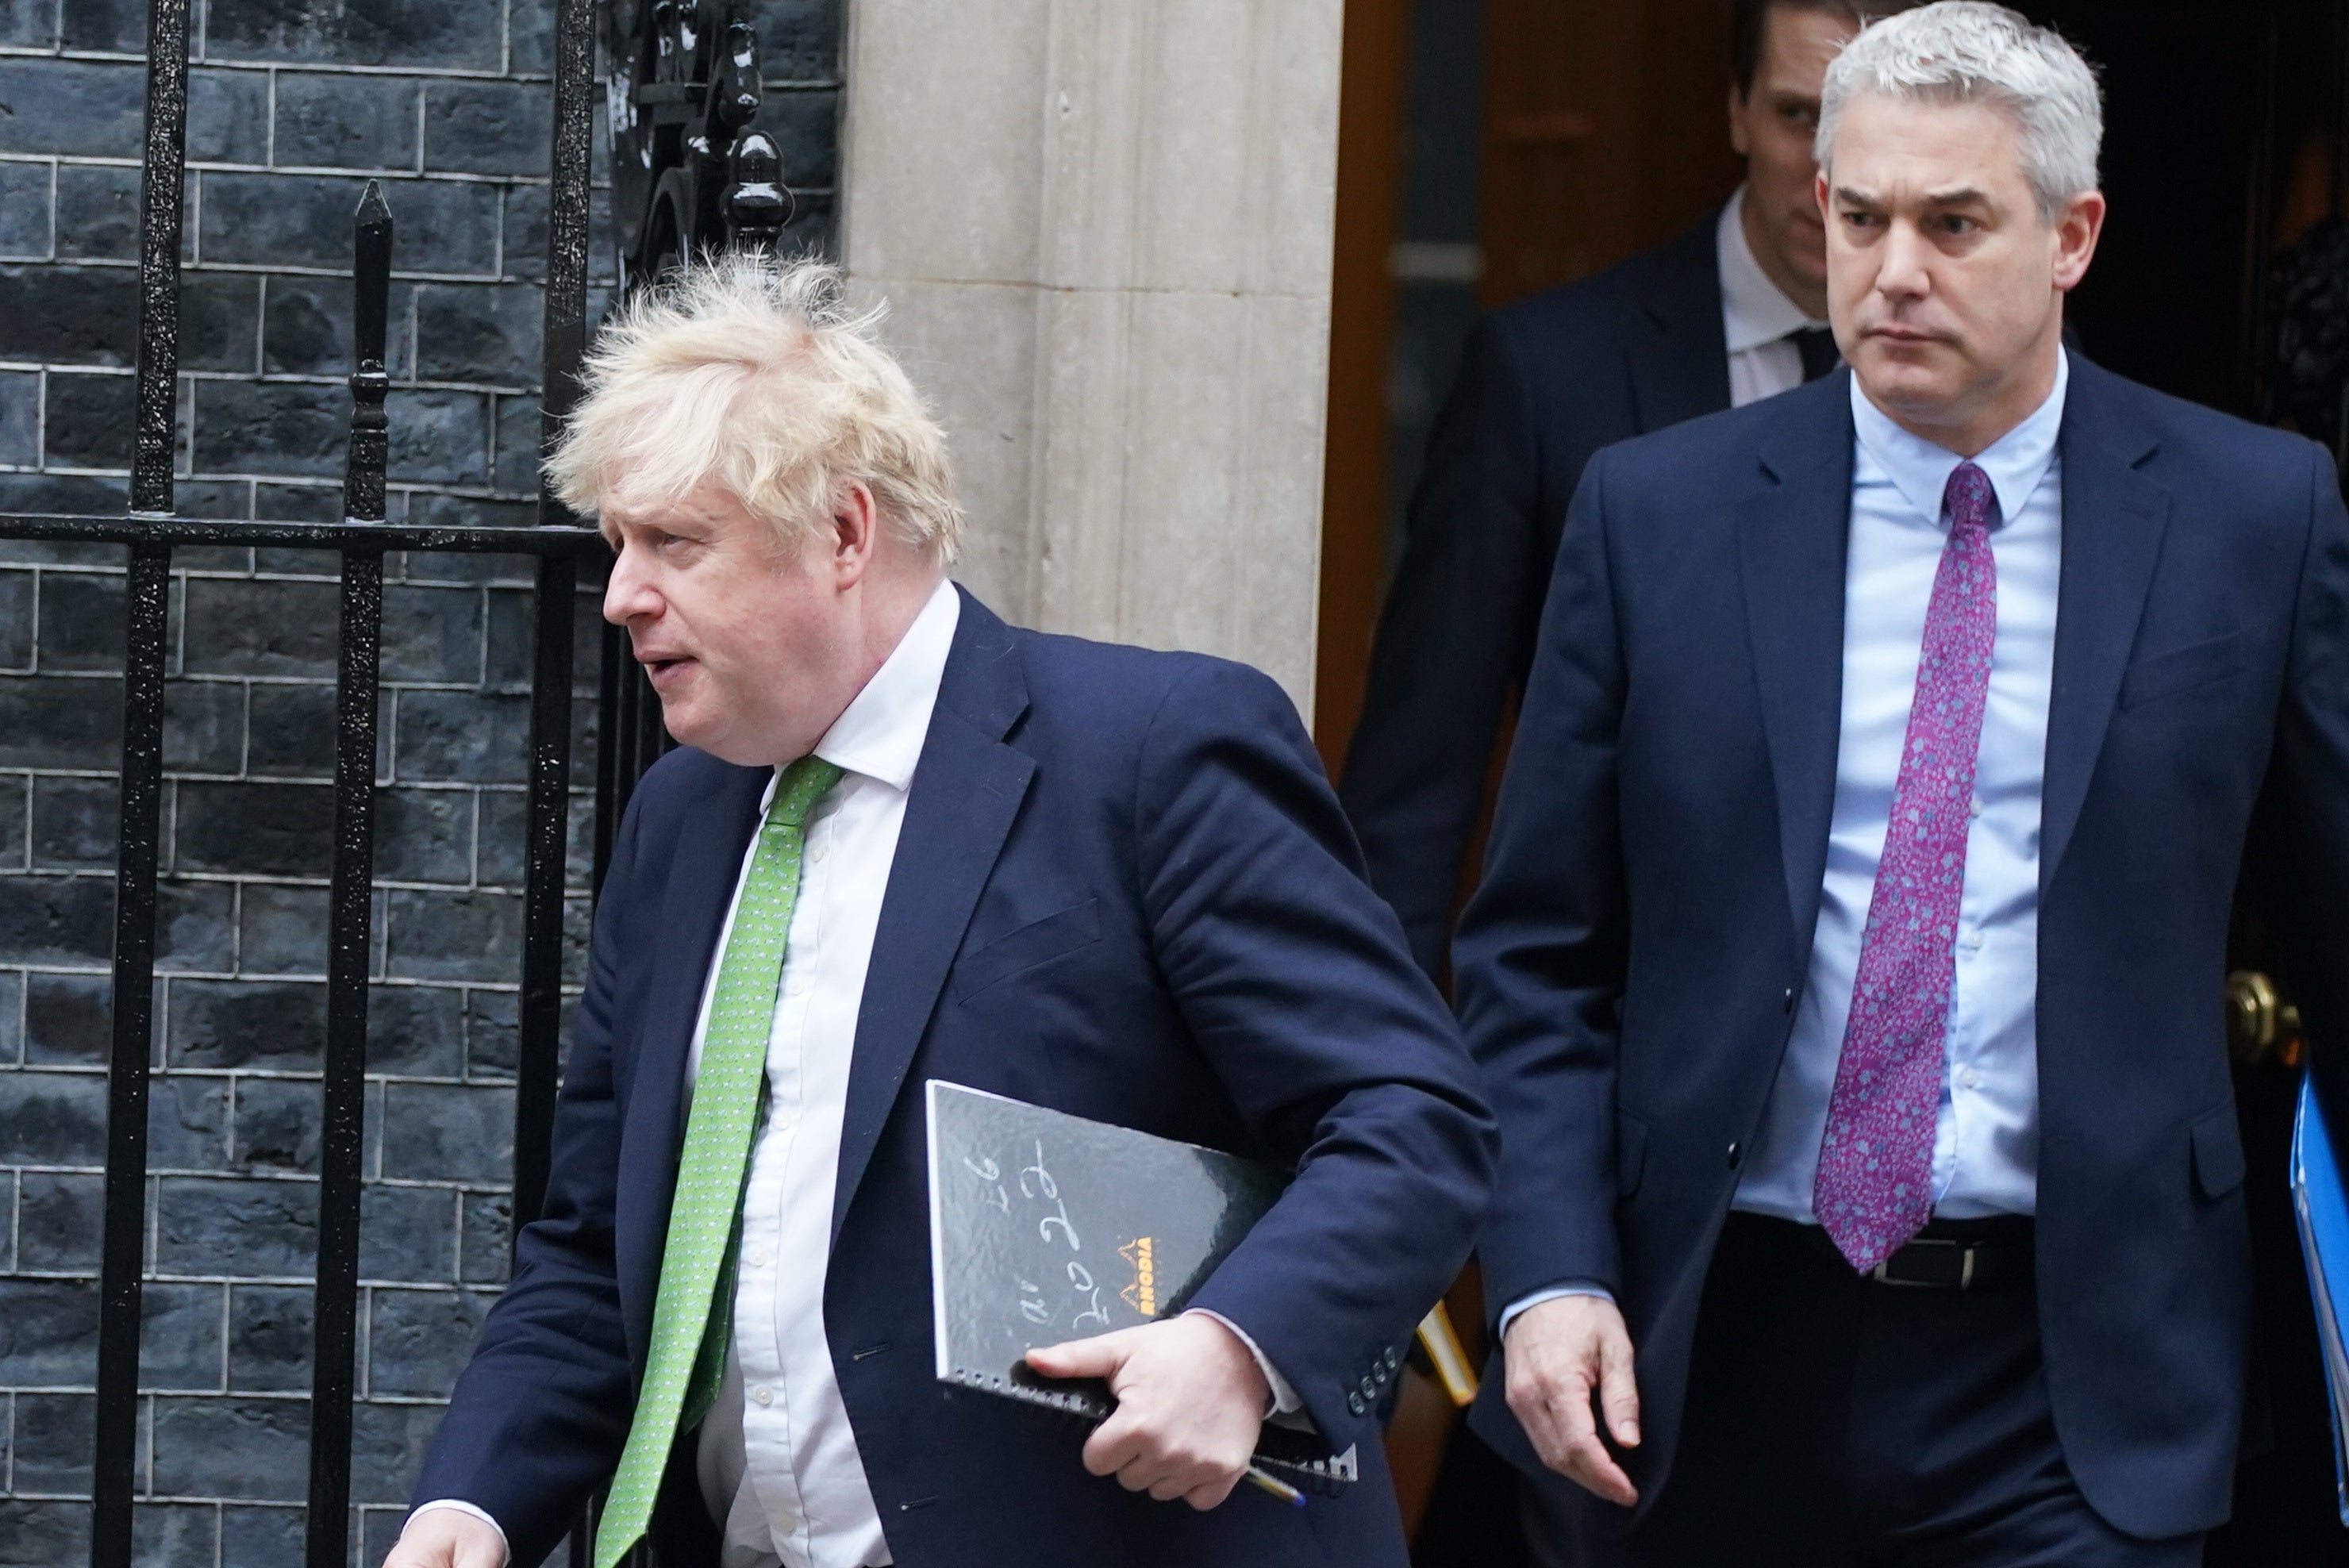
[538,1416]
[1452,643]
[1293,978]
[1540,963]
[2312,776]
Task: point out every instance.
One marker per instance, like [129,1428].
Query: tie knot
[1969,499]
[803,783]
[1817,345]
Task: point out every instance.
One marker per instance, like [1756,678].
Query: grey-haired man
[1845,963]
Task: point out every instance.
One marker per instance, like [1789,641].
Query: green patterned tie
[689,1314]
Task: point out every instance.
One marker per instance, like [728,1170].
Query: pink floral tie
[1874,1188]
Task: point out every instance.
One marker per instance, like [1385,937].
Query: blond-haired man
[902,841]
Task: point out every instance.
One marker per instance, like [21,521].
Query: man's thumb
[1099,1356]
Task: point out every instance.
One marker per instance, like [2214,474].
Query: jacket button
[1355,1403]
[1394,1360]
[1736,1153]
[1789,1003]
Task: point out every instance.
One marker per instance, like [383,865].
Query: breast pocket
[2182,670]
[1031,947]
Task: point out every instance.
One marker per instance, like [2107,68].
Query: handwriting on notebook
[1046,1226]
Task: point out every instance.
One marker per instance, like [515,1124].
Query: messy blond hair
[755,375]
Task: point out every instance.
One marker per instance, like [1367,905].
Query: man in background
[1734,311]
[1844,965]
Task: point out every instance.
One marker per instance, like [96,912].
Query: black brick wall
[292,104]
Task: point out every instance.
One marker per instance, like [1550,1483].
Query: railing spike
[370,447]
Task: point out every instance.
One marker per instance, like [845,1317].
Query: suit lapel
[1793,537]
[1683,371]
[708,862]
[2114,519]
[967,792]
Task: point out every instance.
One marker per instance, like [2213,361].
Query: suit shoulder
[1597,303]
[1119,685]
[2196,426]
[1716,448]
[2201,445]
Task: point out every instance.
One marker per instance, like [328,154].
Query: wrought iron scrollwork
[689,175]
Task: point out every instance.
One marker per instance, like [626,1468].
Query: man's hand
[1190,1399]
[447,1538]
[1560,1353]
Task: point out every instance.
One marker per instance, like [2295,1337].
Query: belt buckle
[1881,1274]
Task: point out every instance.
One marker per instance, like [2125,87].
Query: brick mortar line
[319,68]
[289,378]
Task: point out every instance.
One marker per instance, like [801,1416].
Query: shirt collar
[1920,469]
[1753,310]
[880,734]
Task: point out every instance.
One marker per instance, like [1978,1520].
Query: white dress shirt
[1758,318]
[778,1462]
[1986,1137]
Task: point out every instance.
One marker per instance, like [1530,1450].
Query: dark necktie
[1875,1186]
[1818,346]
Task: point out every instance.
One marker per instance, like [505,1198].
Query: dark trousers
[1834,1421]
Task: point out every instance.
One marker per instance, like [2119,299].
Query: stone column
[1104,227]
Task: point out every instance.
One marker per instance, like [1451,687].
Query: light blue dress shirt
[1986,1137]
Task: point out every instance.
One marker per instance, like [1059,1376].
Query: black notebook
[1046,1227]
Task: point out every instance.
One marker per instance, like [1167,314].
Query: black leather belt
[1962,1254]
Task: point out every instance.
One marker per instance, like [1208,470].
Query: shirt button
[1974,808]
[1969,1077]
[763,1395]
[757,1257]
[824,847]
[797,987]
[1973,940]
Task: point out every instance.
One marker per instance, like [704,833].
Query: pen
[1279,1488]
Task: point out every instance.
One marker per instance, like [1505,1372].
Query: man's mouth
[659,667]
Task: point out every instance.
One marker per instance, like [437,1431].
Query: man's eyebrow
[1846,194]
[1964,196]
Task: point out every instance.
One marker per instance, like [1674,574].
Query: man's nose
[1903,272]
[627,594]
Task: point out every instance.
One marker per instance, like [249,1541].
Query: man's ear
[2077,230]
[855,531]
[1739,142]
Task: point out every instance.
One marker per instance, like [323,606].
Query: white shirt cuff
[1284,1398]
[1509,1314]
[461,1506]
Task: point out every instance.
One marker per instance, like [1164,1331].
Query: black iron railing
[692,175]
[151,532]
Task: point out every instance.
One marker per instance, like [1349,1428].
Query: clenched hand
[1190,1400]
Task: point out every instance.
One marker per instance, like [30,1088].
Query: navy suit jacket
[1628,971]
[1123,889]
[1543,384]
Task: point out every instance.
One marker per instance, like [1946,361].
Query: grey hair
[756,377]
[1968,51]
